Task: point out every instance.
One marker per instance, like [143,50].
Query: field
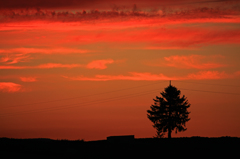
[193,147]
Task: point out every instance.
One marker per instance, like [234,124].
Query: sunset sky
[88,69]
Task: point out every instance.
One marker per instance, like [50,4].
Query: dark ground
[194,147]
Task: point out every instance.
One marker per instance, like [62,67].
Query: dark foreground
[193,147]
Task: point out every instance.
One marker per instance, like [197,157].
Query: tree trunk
[169,133]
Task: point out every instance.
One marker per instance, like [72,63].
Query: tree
[169,112]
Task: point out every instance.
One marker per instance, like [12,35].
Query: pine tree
[169,112]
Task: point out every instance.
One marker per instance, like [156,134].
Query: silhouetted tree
[169,112]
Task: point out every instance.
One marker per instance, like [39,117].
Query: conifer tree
[169,112]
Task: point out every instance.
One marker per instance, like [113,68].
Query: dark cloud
[14,4]
[9,15]
[93,4]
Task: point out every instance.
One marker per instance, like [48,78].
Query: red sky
[88,69]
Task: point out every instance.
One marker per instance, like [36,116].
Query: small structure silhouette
[124,138]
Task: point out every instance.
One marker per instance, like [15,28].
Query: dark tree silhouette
[169,112]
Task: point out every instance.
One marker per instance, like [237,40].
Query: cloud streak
[96,64]
[182,37]
[202,75]
[156,27]
[43,66]
[149,38]
[10,87]
[193,61]
[28,79]
[134,76]
[43,51]
[146,76]
[99,64]
[103,4]
[115,20]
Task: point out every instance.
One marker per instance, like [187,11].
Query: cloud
[113,19]
[16,55]
[37,18]
[14,58]
[99,64]
[74,3]
[28,79]
[96,64]
[157,30]
[146,76]
[165,48]
[43,51]
[181,37]
[209,75]
[101,4]
[193,61]
[134,76]
[15,67]
[43,66]
[149,38]
[57,65]
[10,87]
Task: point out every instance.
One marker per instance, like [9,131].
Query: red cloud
[43,51]
[17,55]
[10,87]
[15,58]
[88,4]
[209,75]
[57,65]
[99,64]
[155,32]
[43,66]
[28,79]
[138,76]
[134,76]
[180,37]
[192,12]
[106,4]
[117,23]
[165,48]
[193,61]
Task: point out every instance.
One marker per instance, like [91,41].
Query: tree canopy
[169,112]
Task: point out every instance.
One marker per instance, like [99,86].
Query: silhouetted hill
[143,147]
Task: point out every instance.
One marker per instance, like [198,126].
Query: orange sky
[90,69]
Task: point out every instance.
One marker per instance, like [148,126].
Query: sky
[88,69]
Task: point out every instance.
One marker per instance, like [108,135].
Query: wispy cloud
[57,65]
[28,79]
[96,64]
[134,76]
[14,58]
[194,61]
[28,18]
[99,64]
[100,3]
[43,66]
[173,38]
[130,8]
[10,87]
[43,50]
[209,75]
[155,28]
[146,76]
